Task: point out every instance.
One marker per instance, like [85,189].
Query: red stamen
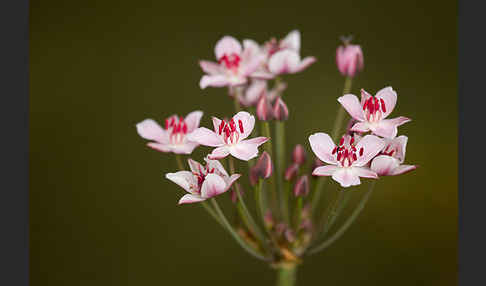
[334,150]
[166,123]
[351,141]
[232,125]
[240,125]
[184,128]
[355,157]
[346,153]
[221,126]
[341,141]
[377,105]
[361,151]
[382,105]
[339,156]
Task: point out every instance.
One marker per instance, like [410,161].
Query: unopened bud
[289,235]
[264,110]
[263,167]
[268,219]
[349,58]
[291,171]
[280,110]
[298,155]
[301,188]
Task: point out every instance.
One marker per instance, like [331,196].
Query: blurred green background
[101,212]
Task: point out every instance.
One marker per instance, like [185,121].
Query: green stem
[287,275]
[280,158]
[266,133]
[335,131]
[298,212]
[347,223]
[233,233]
[245,214]
[338,208]
[265,126]
[179,162]
[236,99]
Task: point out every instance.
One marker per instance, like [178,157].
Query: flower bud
[280,110]
[301,188]
[289,235]
[291,171]
[264,110]
[234,195]
[263,168]
[268,219]
[349,58]
[298,155]
[317,163]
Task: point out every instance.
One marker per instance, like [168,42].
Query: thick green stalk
[287,275]
[347,223]
[233,233]
[280,159]
[335,132]
[265,129]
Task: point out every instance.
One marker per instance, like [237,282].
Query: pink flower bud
[264,110]
[291,171]
[262,169]
[349,59]
[280,110]
[280,228]
[301,188]
[289,235]
[298,155]
[268,219]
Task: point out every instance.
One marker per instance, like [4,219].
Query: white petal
[322,146]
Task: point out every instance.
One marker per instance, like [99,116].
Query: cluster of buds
[288,225]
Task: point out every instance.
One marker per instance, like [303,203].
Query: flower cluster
[289,223]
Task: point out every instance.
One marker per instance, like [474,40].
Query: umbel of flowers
[290,221]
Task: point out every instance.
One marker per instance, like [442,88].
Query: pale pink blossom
[174,137]
[347,162]
[202,182]
[389,161]
[349,59]
[372,111]
[235,64]
[230,137]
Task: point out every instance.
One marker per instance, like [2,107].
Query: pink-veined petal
[219,153]
[305,63]
[400,143]
[193,119]
[285,61]
[364,172]
[351,103]
[247,149]
[402,169]
[195,166]
[159,147]
[346,177]
[213,185]
[327,170]
[216,124]
[250,65]
[291,41]
[189,199]
[210,68]
[217,166]
[231,180]
[205,137]
[248,122]
[388,127]
[227,46]
[389,96]
[364,96]
[361,127]
[151,130]
[371,145]
[185,180]
[217,80]
[322,145]
[250,48]
[383,165]
[341,60]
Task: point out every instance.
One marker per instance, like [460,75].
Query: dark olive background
[101,212]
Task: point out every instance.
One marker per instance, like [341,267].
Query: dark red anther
[391,152]
[377,105]
[339,155]
[232,125]
[334,150]
[355,157]
[240,124]
[172,122]
[341,142]
[227,131]
[221,126]
[346,153]
[382,105]
[351,141]
[184,128]
[361,151]
[166,123]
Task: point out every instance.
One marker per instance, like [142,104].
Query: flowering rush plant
[290,220]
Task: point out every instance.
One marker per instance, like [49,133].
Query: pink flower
[349,59]
[372,111]
[174,137]
[284,56]
[347,161]
[389,161]
[229,137]
[202,182]
[234,64]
